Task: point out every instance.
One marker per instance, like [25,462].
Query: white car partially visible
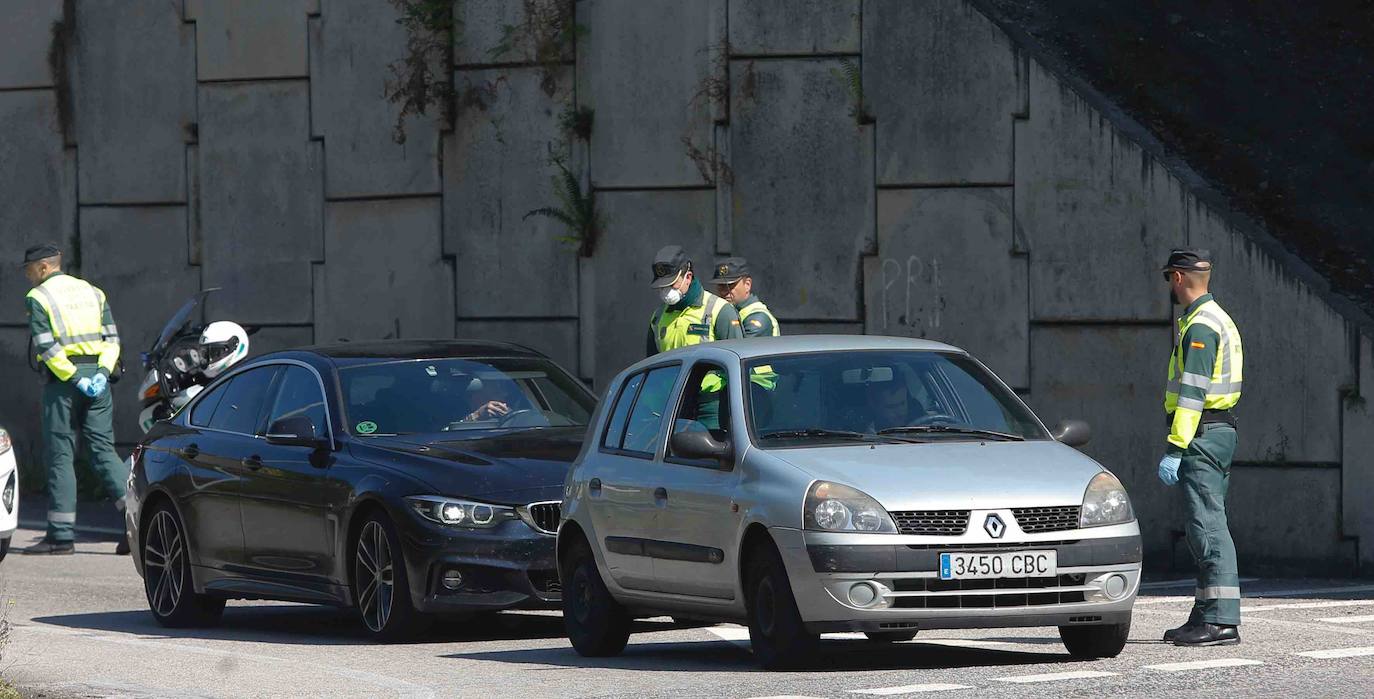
[9,493]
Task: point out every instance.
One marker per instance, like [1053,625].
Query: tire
[597,625]
[1090,642]
[4,547]
[167,582]
[776,632]
[890,636]
[381,587]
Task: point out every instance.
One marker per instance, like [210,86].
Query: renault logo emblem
[994,526]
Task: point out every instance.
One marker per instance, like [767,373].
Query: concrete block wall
[971,191]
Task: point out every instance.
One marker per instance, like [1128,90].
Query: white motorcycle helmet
[224,343]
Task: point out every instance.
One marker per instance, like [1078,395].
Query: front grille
[545,516]
[545,581]
[1034,520]
[932,522]
[1020,592]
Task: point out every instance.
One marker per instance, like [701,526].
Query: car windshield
[471,396]
[888,396]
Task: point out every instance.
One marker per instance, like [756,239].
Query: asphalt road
[79,628]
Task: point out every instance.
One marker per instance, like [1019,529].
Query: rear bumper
[1097,579]
[511,566]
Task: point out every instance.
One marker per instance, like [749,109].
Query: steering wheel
[934,419]
[510,416]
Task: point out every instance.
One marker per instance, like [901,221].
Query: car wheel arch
[151,502]
[755,535]
[569,536]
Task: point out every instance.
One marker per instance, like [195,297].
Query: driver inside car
[490,400]
[891,405]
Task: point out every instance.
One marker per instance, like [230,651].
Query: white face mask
[670,295]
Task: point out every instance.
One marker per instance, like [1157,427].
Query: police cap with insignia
[1195,259]
[731,270]
[42,251]
[668,264]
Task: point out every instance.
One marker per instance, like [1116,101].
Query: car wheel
[167,575]
[776,632]
[890,636]
[1103,641]
[4,547]
[381,587]
[597,625]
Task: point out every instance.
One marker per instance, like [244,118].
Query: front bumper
[509,566]
[9,516]
[1097,579]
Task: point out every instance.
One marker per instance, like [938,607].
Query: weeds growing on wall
[712,90]
[708,161]
[421,80]
[576,122]
[548,31]
[852,76]
[576,210]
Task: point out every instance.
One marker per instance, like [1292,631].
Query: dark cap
[668,264]
[42,251]
[1189,258]
[731,270]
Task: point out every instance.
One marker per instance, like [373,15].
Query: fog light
[1115,586]
[862,594]
[8,498]
[452,579]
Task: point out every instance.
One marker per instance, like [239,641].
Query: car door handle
[594,487]
[660,494]
[191,451]
[252,462]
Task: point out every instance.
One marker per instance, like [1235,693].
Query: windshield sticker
[366,427]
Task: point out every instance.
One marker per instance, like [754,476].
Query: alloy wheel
[165,578]
[374,576]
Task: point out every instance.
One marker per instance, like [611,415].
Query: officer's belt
[1210,417]
[84,358]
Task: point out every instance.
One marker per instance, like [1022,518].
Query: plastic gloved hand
[1168,469]
[87,387]
[99,382]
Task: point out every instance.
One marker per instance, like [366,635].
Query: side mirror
[697,444]
[1074,433]
[294,431]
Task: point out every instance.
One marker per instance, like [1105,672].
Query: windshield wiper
[949,429]
[819,433]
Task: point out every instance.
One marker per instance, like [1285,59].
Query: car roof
[344,353]
[802,344]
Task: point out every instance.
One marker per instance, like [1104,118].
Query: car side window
[644,428]
[615,428]
[205,407]
[705,404]
[241,408]
[299,394]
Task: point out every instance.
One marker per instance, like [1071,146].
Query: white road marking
[1310,605]
[963,642]
[736,635]
[739,636]
[1057,676]
[1347,619]
[1338,653]
[1312,591]
[1203,664]
[910,689]
[787,696]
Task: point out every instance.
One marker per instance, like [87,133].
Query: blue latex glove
[1168,469]
[99,382]
[87,387]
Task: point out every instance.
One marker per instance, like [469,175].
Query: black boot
[1206,634]
[52,548]
[1173,633]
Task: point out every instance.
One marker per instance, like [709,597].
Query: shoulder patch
[735,321]
[1197,345]
[756,323]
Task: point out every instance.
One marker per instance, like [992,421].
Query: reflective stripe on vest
[75,311]
[690,326]
[1224,386]
[759,307]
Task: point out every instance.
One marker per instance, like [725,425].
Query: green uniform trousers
[1205,475]
[64,409]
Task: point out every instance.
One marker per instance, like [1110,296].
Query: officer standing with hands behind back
[75,338]
[1205,375]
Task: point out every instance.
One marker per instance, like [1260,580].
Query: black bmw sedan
[404,478]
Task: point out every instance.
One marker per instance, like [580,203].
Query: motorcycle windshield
[178,321]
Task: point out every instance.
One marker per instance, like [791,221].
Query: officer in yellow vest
[75,338]
[690,314]
[1204,385]
[735,284]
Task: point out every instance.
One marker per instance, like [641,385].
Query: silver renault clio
[804,485]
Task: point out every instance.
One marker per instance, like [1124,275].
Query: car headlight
[5,443]
[461,513]
[831,507]
[1105,502]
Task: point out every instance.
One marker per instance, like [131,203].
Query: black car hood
[511,468]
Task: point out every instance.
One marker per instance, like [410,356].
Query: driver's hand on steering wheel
[490,410]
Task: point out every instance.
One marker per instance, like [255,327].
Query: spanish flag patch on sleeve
[1197,345]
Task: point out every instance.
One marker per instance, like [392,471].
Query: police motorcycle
[186,357]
